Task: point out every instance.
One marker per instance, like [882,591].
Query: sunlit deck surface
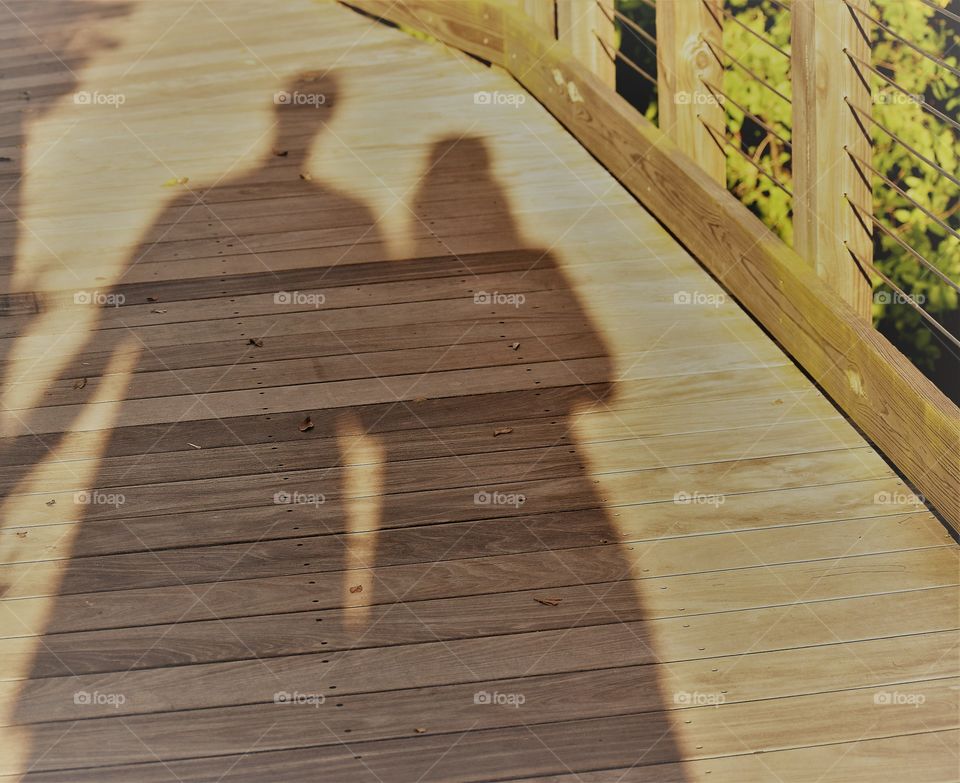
[414,449]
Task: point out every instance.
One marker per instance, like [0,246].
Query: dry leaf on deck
[255,342]
[502,431]
[356,589]
[79,383]
[514,346]
[52,502]
[306,424]
[548,601]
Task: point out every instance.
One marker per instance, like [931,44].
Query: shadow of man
[273,235]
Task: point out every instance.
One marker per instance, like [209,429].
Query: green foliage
[631,85]
[755,189]
[908,116]
[928,83]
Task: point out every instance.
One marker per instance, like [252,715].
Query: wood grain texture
[916,757]
[524,446]
[685,65]
[911,420]
[586,28]
[826,130]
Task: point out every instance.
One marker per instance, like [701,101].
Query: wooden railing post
[684,64]
[826,228]
[581,26]
[542,12]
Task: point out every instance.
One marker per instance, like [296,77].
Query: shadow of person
[272,230]
[521,495]
[278,208]
[69,36]
[273,235]
[77,31]
[45,49]
[460,507]
[269,239]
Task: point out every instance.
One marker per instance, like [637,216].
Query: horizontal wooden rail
[902,412]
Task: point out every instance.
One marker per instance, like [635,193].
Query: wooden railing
[813,298]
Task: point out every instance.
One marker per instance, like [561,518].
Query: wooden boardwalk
[358,426]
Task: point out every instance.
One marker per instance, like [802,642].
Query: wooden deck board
[695,568]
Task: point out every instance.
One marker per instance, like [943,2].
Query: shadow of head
[461,208]
[302,109]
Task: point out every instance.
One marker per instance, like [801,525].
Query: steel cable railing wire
[866,169]
[858,63]
[925,263]
[725,140]
[735,141]
[904,296]
[645,42]
[713,50]
[616,54]
[945,12]
[897,249]
[906,145]
[854,10]
[858,162]
[727,14]
[713,131]
[645,38]
[722,97]
[636,29]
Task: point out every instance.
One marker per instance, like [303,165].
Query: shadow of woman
[523,500]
